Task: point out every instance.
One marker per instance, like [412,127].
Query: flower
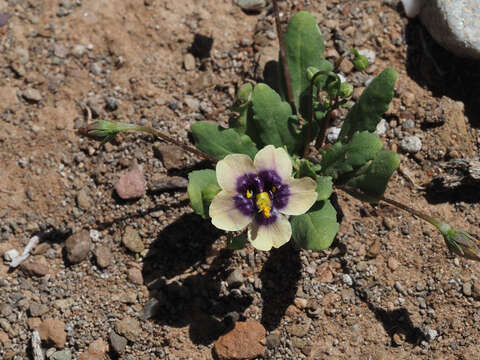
[260,194]
[458,241]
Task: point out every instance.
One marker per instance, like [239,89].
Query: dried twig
[36,348]
[26,252]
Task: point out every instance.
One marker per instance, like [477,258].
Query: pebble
[411,144]
[393,263]
[79,50]
[9,255]
[332,134]
[53,331]
[170,155]
[273,339]
[118,343]
[37,310]
[96,351]
[400,288]
[61,355]
[430,334]
[60,51]
[132,184]
[251,5]
[346,66]
[103,256]
[388,223]
[3,19]
[189,62]
[37,267]
[5,309]
[244,341]
[300,327]
[129,328]
[369,54]
[111,103]
[32,95]
[347,280]
[382,127]
[192,103]
[95,69]
[4,339]
[84,201]
[467,288]
[166,183]
[135,276]
[454,25]
[235,279]
[476,290]
[132,241]
[78,246]
[301,303]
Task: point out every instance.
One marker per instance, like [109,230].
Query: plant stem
[169,139]
[356,193]
[327,120]
[283,59]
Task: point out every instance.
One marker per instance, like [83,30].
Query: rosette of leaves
[263,117]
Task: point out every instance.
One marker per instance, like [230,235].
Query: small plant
[267,187]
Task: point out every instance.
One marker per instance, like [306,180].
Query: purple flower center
[265,182]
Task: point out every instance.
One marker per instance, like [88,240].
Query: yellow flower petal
[231,168]
[302,196]
[277,159]
[264,237]
[224,213]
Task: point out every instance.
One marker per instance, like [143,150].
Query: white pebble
[10,254]
[347,280]
[412,7]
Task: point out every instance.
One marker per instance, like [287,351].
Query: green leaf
[202,187]
[373,102]
[242,105]
[304,47]
[307,168]
[272,121]
[374,178]
[342,159]
[324,187]
[360,62]
[219,142]
[237,242]
[316,229]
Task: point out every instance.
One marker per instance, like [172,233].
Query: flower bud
[360,62]
[459,242]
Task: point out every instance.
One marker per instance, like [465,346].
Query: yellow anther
[274,189]
[249,194]
[263,203]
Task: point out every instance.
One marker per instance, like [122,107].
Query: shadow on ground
[195,300]
[438,70]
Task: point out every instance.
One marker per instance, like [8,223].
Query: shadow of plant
[197,300]
[280,275]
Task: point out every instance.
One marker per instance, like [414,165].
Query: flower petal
[277,159]
[231,168]
[301,197]
[225,213]
[264,237]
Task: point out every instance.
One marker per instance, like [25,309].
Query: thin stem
[169,139]
[356,193]
[283,58]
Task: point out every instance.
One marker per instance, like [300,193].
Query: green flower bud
[107,129]
[459,242]
[346,90]
[244,95]
[360,62]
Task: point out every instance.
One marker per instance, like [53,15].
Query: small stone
[347,280]
[189,62]
[5,309]
[3,18]
[430,334]
[192,103]
[9,255]
[382,127]
[9,97]
[111,103]
[375,248]
[132,184]
[38,267]
[400,288]
[53,331]
[37,310]
[369,54]
[393,263]
[274,339]
[78,246]
[34,323]
[103,256]
[170,155]
[411,144]
[467,288]
[300,327]
[32,95]
[129,328]
[61,355]
[118,343]
[346,66]
[251,5]
[301,303]
[476,289]
[132,240]
[4,339]
[60,51]
[235,279]
[79,50]
[84,201]
[388,223]
[245,341]
[96,351]
[135,276]
[95,69]
[167,183]
[332,134]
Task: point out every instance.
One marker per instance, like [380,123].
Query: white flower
[260,194]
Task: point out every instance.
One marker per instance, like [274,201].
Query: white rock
[411,144]
[332,134]
[369,54]
[382,127]
[412,7]
[10,254]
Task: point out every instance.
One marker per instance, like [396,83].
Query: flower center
[264,204]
